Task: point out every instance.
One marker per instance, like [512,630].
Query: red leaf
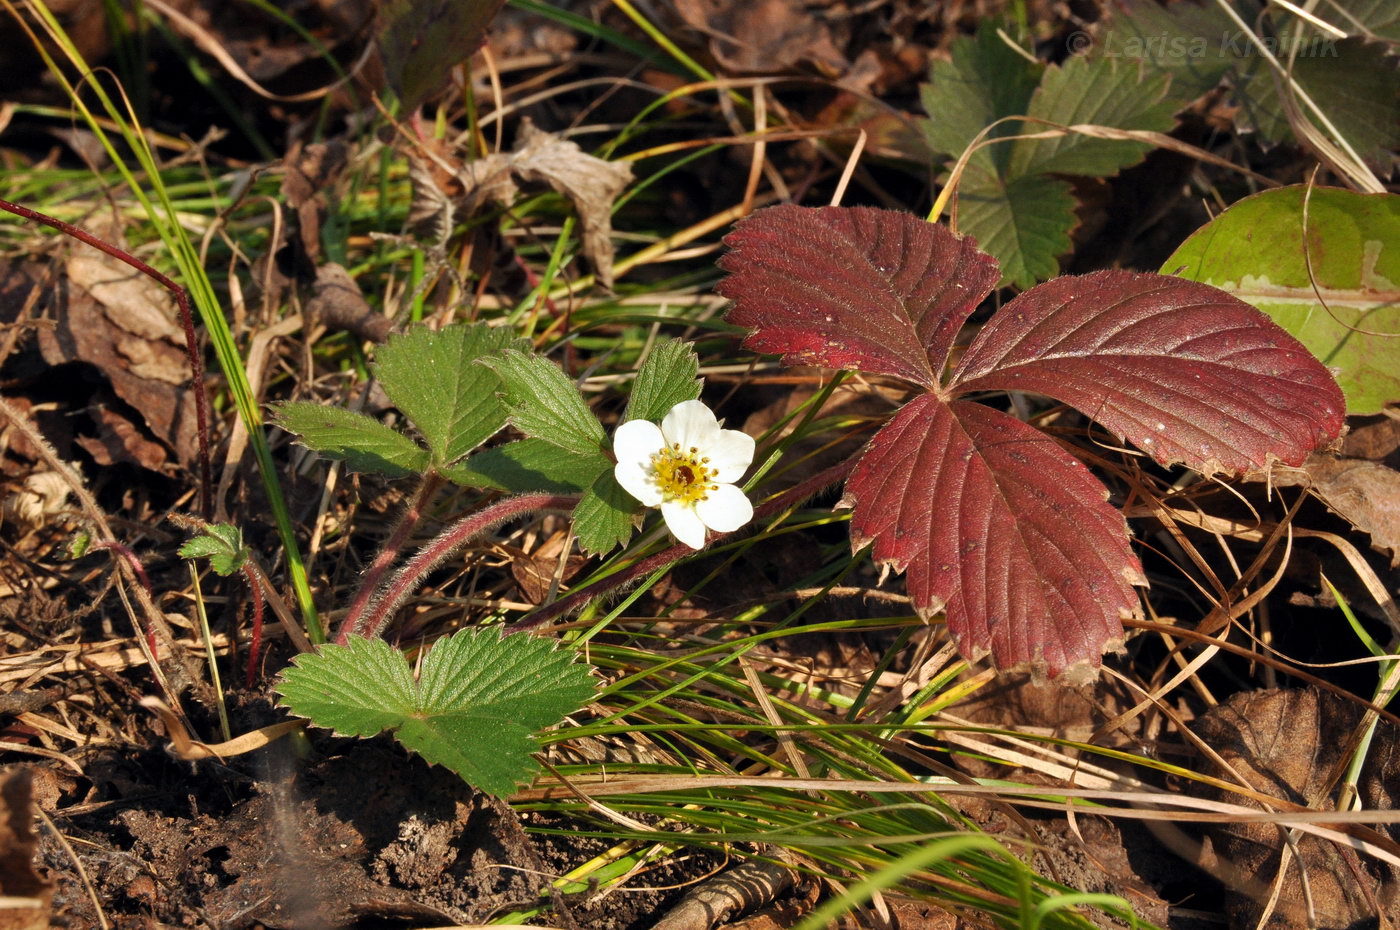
[994,522]
[1181,370]
[854,287]
[991,518]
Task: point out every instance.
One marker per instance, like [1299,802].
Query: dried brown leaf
[591,183]
[1287,744]
[24,895]
[1364,493]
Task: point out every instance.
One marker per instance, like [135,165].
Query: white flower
[687,467]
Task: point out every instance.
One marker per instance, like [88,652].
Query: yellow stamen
[682,476]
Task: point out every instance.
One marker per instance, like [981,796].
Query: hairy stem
[182,299]
[665,557]
[255,640]
[408,522]
[406,580]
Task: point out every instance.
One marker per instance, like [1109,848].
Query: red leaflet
[993,521]
[853,287]
[1183,371]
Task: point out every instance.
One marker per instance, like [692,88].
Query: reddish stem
[387,554]
[255,641]
[182,299]
[665,557]
[451,539]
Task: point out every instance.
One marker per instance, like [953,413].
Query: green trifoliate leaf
[544,404]
[222,545]
[1008,198]
[528,465]
[985,80]
[474,709]
[1025,223]
[1099,93]
[605,516]
[362,443]
[668,377]
[432,377]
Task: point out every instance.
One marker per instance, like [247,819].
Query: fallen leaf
[125,325]
[764,36]
[310,171]
[337,302]
[1365,494]
[534,571]
[1286,743]
[24,895]
[593,185]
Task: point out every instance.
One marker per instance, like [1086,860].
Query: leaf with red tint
[853,287]
[997,524]
[1181,370]
[994,522]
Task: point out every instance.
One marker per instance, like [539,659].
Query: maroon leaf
[854,287]
[991,518]
[993,521]
[1181,370]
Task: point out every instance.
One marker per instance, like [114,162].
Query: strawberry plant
[997,525]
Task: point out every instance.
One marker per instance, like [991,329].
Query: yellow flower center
[682,475]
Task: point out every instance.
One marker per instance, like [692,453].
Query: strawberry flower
[687,466]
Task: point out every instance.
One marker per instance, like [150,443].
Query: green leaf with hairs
[606,516]
[543,403]
[222,545]
[432,376]
[528,465]
[362,443]
[475,707]
[669,376]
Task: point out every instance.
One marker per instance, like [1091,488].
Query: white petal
[636,440]
[725,509]
[684,523]
[730,454]
[637,479]
[690,423]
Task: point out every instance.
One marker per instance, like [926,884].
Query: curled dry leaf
[591,183]
[125,324]
[43,494]
[998,526]
[1366,494]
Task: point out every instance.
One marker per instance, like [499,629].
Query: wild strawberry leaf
[429,375]
[994,522]
[478,700]
[1026,222]
[1182,370]
[999,526]
[362,443]
[853,287]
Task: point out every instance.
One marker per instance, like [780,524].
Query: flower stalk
[407,578]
